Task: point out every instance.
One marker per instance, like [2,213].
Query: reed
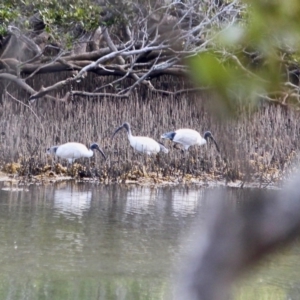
[257,146]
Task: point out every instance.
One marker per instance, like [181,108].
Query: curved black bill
[100,150]
[117,130]
[218,149]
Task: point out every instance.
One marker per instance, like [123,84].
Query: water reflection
[89,241]
[186,201]
[139,199]
[72,202]
[77,240]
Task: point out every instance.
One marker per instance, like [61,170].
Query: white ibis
[72,151]
[142,144]
[189,137]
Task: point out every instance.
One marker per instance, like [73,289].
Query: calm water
[89,241]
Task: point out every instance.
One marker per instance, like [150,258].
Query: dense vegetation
[235,52]
[244,50]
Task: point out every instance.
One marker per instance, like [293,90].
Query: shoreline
[146,180]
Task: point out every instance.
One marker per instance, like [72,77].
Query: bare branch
[108,95]
[45,91]
[37,56]
[33,46]
[153,41]
[111,45]
[151,88]
[20,82]
[141,80]
[102,60]
[45,66]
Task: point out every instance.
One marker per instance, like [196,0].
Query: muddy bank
[140,176]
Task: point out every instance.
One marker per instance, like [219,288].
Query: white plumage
[189,137]
[142,144]
[73,151]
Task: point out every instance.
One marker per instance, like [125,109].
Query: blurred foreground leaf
[255,58]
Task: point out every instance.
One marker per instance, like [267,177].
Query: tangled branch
[148,43]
